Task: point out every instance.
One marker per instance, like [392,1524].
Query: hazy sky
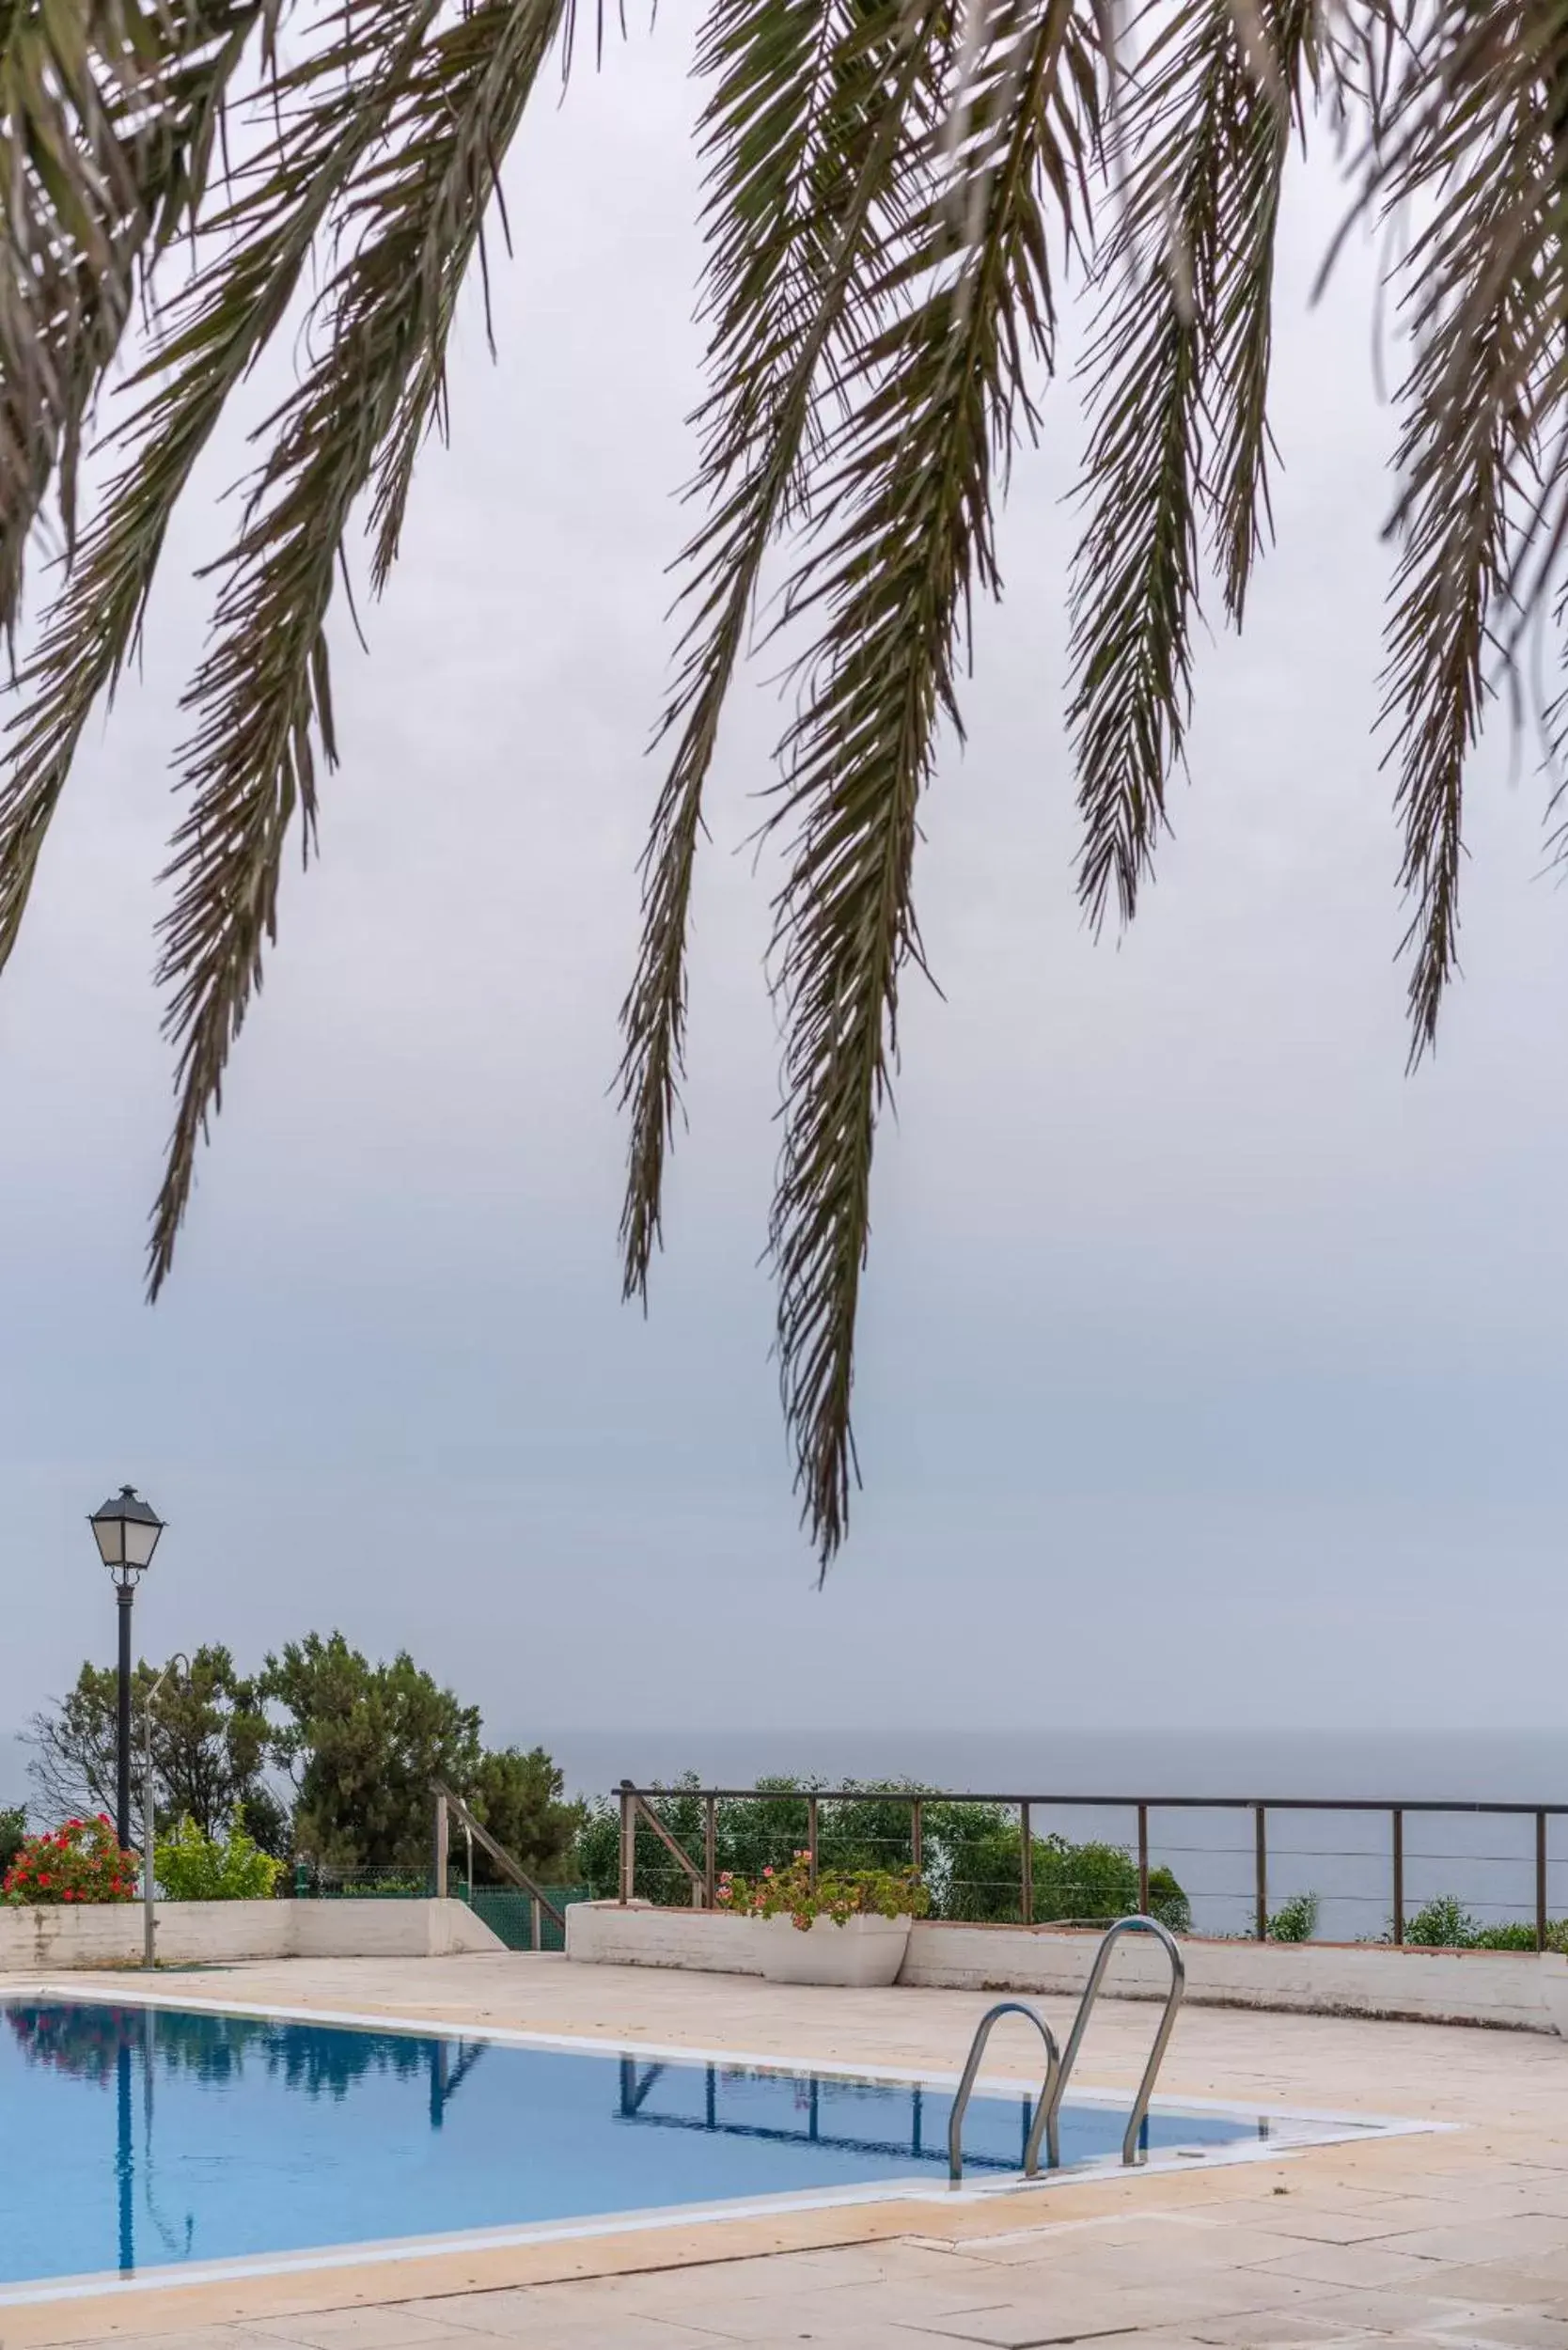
[1212,1370]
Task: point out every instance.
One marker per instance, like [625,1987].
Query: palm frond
[1236,490]
[328,119]
[1178,368]
[1476,131]
[107,118]
[807,132]
[906,525]
[409,229]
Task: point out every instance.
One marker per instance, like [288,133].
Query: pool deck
[1457,2238]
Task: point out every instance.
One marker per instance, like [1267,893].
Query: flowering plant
[80,1861]
[840,1895]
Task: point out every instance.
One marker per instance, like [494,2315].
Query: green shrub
[1445,1924]
[1442,1925]
[192,1867]
[1296,1920]
[14,1835]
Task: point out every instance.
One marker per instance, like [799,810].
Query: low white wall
[1519,1991]
[221,1932]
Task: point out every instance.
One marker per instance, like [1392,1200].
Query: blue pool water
[134,2138]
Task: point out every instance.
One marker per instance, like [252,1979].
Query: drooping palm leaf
[409,227]
[107,120]
[1478,131]
[817,116]
[907,519]
[1178,376]
[328,121]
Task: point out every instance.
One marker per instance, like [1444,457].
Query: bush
[191,1867]
[1444,1924]
[80,1861]
[1296,1920]
[14,1835]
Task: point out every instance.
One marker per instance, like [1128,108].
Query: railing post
[439,1850]
[1260,1870]
[1025,1848]
[1143,1859]
[1398,1877]
[709,1849]
[811,1838]
[1540,1880]
[628,1843]
[917,1835]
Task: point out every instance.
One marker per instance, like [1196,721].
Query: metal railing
[1381,1857]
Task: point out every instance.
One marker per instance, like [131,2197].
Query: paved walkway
[1458,2239]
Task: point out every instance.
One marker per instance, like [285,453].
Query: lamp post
[126,1530]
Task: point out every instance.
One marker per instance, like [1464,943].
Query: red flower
[44,1877]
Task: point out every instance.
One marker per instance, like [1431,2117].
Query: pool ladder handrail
[1045,2121]
[1058,2068]
[1162,2038]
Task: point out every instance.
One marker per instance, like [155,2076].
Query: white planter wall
[1519,1991]
[222,1932]
[860,1954]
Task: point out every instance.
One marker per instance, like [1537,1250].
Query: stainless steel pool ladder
[1058,2068]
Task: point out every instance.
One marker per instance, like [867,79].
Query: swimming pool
[137,2137]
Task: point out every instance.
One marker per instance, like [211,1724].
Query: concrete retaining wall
[221,1932]
[1517,1991]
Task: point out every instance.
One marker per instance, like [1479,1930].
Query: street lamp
[126,1530]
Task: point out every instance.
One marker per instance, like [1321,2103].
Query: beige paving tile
[611,2332]
[1518,2236]
[192,2338]
[1317,2223]
[1349,2265]
[1270,2329]
[1526,2329]
[1399,2314]
[396,2326]
[758,2318]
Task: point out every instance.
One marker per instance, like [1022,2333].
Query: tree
[209,1736]
[362,1744]
[519,1798]
[900,195]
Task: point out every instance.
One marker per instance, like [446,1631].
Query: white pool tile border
[1316,2128]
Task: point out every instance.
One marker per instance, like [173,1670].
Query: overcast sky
[1201,1344]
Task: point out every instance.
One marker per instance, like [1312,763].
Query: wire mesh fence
[315,1880]
[1468,1877]
[515,1918]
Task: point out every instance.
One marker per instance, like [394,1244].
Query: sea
[1204,1787]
